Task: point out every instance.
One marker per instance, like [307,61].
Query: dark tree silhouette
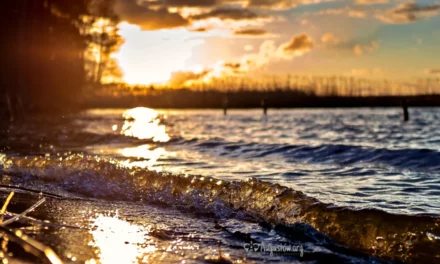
[44,52]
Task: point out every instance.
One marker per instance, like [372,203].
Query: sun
[150,57]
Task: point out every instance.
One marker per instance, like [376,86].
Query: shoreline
[251,100]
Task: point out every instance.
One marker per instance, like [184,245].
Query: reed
[30,245]
[345,86]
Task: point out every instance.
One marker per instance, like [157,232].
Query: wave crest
[381,234]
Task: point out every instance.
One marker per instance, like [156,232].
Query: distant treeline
[186,98]
[51,50]
[319,85]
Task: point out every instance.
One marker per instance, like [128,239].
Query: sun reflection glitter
[119,241]
[143,152]
[143,123]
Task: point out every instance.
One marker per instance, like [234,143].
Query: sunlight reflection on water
[336,155]
[143,152]
[143,123]
[121,242]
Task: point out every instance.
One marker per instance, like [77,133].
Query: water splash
[382,234]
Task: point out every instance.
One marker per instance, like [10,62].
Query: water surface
[348,184]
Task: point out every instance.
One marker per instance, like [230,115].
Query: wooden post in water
[405,111]
[225,105]
[264,105]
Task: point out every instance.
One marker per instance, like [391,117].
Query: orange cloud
[359,49]
[281,4]
[190,3]
[348,11]
[248,48]
[371,2]
[199,29]
[183,77]
[408,13]
[269,51]
[251,32]
[147,18]
[228,14]
[277,4]
[402,14]
[330,39]
[299,44]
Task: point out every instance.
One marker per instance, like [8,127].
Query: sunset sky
[187,40]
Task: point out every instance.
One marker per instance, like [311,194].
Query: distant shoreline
[248,100]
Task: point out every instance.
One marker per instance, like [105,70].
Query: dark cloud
[190,3]
[199,29]
[147,18]
[298,44]
[233,66]
[273,3]
[251,32]
[409,13]
[228,14]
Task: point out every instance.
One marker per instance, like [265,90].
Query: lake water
[134,185]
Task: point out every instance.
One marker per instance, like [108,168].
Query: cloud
[298,44]
[146,18]
[248,48]
[433,71]
[251,32]
[347,11]
[228,14]
[330,39]
[281,4]
[402,14]
[190,3]
[276,4]
[183,77]
[359,49]
[199,29]
[234,67]
[370,2]
[408,13]
[269,51]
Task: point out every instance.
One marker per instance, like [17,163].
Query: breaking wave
[381,234]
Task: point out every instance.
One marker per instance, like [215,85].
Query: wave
[381,234]
[416,159]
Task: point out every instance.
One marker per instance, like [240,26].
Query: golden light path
[143,152]
[143,123]
[118,241]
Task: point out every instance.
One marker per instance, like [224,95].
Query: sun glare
[143,123]
[150,57]
[118,241]
[144,152]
